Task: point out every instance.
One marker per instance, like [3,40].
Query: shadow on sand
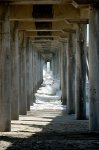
[63,132]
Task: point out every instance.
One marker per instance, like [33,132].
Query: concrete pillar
[42,63]
[94,68]
[58,71]
[5,74]
[56,67]
[23,88]
[60,65]
[80,74]
[73,65]
[27,74]
[31,73]
[70,77]
[63,73]
[52,64]
[33,69]
[34,73]
[41,70]
[38,70]
[15,74]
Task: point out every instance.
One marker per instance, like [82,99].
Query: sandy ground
[48,127]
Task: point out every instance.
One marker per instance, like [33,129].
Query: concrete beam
[66,11]
[24,12]
[24,25]
[69,30]
[77,21]
[57,33]
[85,2]
[20,2]
[45,38]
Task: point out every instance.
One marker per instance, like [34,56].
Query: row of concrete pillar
[73,70]
[21,69]
[21,73]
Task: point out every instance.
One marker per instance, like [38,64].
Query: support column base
[70,112]
[15,118]
[81,118]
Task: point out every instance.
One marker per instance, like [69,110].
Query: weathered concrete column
[36,70]
[23,88]
[33,69]
[5,74]
[40,70]
[80,99]
[58,71]
[29,74]
[94,68]
[63,73]
[15,73]
[34,73]
[70,77]
[60,65]
[42,63]
[52,64]
[51,67]
[55,66]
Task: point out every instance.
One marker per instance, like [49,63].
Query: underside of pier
[60,37]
